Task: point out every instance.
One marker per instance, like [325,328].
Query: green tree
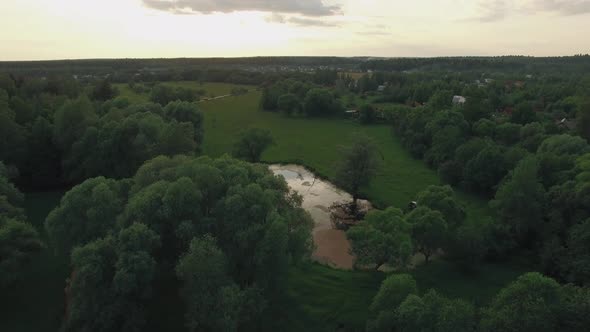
[7,84]
[367,114]
[104,90]
[508,133]
[442,199]
[19,241]
[252,143]
[111,281]
[429,231]
[484,128]
[392,292]
[441,100]
[289,103]
[45,164]
[528,304]
[12,138]
[11,199]
[532,135]
[320,102]
[583,119]
[187,112]
[557,155]
[577,260]
[178,138]
[359,164]
[383,238]
[433,312]
[574,311]
[520,202]
[71,121]
[213,301]
[446,130]
[485,170]
[524,113]
[476,108]
[259,225]
[468,244]
[87,212]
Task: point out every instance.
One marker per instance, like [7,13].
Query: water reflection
[332,247]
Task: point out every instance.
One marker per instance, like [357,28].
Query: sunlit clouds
[56,29]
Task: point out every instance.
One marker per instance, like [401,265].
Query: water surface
[332,246]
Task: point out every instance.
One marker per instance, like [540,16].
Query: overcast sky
[66,29]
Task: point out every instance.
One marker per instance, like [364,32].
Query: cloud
[300,21]
[315,8]
[563,7]
[497,10]
[489,11]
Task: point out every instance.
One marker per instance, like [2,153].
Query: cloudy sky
[66,29]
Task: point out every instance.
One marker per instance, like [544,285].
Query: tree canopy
[229,228]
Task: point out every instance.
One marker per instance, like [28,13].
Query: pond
[332,246]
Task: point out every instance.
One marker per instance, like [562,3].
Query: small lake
[332,246]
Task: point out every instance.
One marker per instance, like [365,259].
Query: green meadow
[316,144]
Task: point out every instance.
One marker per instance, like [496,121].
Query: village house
[459,100]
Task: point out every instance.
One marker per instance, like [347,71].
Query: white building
[459,100]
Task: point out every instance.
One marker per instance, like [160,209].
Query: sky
[75,29]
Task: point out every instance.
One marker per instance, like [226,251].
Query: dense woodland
[146,208]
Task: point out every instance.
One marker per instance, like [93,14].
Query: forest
[167,217]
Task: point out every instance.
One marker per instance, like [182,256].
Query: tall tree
[289,103]
[528,304]
[359,164]
[441,198]
[429,231]
[520,202]
[104,90]
[383,238]
[252,143]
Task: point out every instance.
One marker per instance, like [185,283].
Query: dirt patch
[333,249]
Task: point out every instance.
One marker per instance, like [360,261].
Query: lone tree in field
[252,143]
[358,166]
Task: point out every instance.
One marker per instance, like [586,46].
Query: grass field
[316,144]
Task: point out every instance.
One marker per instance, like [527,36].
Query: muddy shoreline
[331,245]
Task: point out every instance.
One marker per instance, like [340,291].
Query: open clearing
[316,144]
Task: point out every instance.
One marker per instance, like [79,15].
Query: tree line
[57,137]
[527,162]
[533,302]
